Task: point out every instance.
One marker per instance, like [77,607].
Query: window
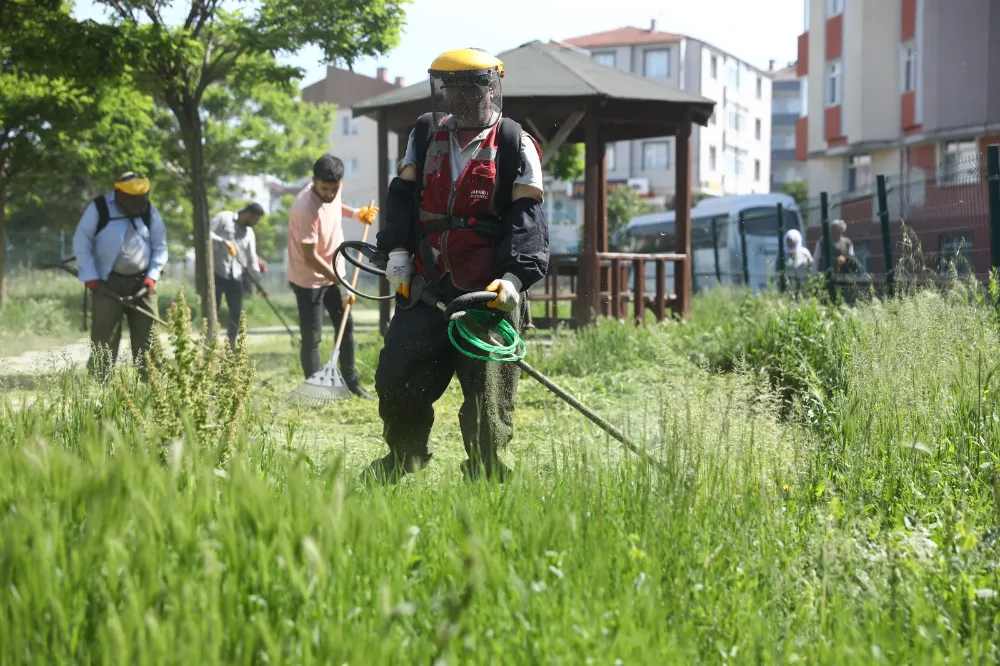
[656,63]
[739,164]
[734,75]
[348,126]
[757,129]
[804,97]
[756,170]
[711,119]
[834,84]
[908,67]
[654,155]
[607,59]
[735,120]
[609,157]
[956,249]
[783,141]
[960,163]
[834,7]
[729,160]
[805,15]
[352,168]
[786,106]
[711,158]
[760,87]
[715,68]
[859,173]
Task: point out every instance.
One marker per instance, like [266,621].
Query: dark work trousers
[312,303]
[233,291]
[415,366]
[106,324]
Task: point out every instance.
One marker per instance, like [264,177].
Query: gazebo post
[682,205]
[602,222]
[588,282]
[383,194]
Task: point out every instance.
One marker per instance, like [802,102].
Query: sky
[752,31]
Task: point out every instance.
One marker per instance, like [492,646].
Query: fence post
[993,189]
[781,249]
[743,250]
[715,250]
[883,218]
[824,214]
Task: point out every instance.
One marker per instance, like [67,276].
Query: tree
[179,65]
[250,130]
[798,190]
[568,163]
[623,205]
[62,123]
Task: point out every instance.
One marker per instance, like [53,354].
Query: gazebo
[560,95]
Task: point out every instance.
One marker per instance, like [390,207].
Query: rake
[327,385]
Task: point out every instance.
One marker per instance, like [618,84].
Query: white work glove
[398,272]
[508,291]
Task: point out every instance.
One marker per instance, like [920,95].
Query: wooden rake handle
[354,285]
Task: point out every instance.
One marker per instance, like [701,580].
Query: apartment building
[730,156]
[786,108]
[893,87]
[354,140]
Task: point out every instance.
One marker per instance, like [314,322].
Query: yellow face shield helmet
[465,84]
[132,184]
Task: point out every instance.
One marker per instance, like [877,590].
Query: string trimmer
[479,328]
[232,251]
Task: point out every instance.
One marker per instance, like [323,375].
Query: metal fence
[925,225]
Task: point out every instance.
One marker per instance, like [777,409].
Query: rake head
[324,387]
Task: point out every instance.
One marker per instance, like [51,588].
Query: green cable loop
[512,352]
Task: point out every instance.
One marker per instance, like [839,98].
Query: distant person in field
[841,250]
[314,233]
[235,247]
[120,244]
[798,261]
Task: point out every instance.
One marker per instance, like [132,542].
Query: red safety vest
[459,220]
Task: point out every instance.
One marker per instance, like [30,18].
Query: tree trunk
[3,247]
[204,269]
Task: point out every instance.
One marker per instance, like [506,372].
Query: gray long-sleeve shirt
[225,226]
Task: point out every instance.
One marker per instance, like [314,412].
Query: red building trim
[802,139]
[835,37]
[802,65]
[832,127]
[909,17]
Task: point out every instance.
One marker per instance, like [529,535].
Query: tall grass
[861,532]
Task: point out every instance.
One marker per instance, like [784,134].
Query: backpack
[509,161]
[104,214]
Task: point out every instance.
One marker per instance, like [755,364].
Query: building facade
[894,87]
[352,139]
[786,108]
[730,156]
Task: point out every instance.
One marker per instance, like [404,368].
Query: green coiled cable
[512,352]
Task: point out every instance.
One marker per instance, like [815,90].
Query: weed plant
[830,497]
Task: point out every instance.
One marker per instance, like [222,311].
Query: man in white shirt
[233,232]
[121,241]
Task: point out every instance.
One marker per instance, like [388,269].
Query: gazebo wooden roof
[560,95]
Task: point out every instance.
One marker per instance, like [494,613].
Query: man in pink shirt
[314,233]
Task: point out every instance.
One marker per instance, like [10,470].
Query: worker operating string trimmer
[464,224]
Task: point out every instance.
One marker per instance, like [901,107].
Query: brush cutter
[127,301]
[462,313]
[327,385]
[232,250]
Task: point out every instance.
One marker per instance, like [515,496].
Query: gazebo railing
[624,282]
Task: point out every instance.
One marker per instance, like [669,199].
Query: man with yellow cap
[121,242]
[464,212]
